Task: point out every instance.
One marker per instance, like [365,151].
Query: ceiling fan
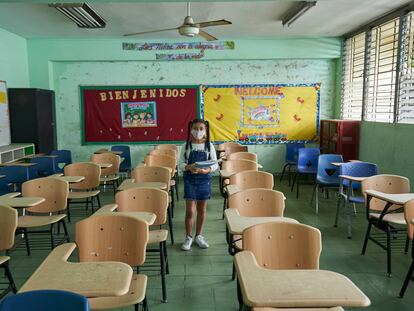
[189,28]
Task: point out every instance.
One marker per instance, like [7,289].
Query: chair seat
[226,181]
[82,194]
[3,259]
[327,182]
[157,236]
[136,294]
[393,218]
[108,178]
[238,244]
[353,199]
[306,170]
[38,221]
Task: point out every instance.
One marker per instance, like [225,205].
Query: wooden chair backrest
[235,149]
[54,190]
[144,200]
[160,160]
[90,171]
[257,202]
[110,158]
[282,245]
[235,166]
[114,237]
[168,152]
[242,155]
[152,174]
[8,225]
[409,215]
[252,179]
[387,184]
[224,146]
[167,146]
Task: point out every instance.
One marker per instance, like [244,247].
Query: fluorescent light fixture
[297,11]
[81,13]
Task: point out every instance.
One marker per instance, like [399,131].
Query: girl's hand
[192,168]
[204,170]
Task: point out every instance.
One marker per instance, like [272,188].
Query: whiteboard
[4,115]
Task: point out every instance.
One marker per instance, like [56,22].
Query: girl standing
[197,182]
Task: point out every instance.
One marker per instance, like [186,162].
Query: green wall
[389,146]
[63,65]
[14,67]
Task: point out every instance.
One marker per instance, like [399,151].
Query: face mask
[198,134]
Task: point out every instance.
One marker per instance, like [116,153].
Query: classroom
[206,155]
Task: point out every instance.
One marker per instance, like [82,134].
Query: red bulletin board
[137,114]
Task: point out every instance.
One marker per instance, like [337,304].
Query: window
[382,58]
[353,77]
[405,111]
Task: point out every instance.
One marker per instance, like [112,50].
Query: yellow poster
[262,114]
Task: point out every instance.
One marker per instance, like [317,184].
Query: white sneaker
[186,246]
[200,241]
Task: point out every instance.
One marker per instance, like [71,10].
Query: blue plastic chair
[16,175]
[346,188]
[45,300]
[291,157]
[327,175]
[307,165]
[63,157]
[126,155]
[45,165]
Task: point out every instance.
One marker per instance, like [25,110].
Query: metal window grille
[381,73]
[405,108]
[353,77]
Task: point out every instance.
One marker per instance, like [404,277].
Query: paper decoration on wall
[148,114]
[4,116]
[150,46]
[180,56]
[262,114]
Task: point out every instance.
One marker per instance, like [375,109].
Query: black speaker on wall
[32,117]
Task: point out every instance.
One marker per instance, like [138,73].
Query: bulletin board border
[318,104]
[82,88]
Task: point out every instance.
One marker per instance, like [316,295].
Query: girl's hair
[207,142]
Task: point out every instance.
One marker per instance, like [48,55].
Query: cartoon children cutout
[135,121]
[127,120]
[149,118]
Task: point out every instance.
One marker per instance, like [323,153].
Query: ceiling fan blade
[220,22]
[151,31]
[206,35]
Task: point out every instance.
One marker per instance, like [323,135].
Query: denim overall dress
[197,187]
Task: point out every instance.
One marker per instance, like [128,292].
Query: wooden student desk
[21,202]
[108,151]
[236,223]
[397,199]
[68,178]
[110,209]
[262,287]
[90,279]
[131,184]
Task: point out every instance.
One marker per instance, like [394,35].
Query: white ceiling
[251,19]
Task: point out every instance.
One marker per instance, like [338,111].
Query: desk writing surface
[398,199]
[295,288]
[131,184]
[70,179]
[21,202]
[236,223]
[90,279]
[148,217]
[353,178]
[18,164]
[2,176]
[232,189]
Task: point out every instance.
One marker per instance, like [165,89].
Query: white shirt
[197,147]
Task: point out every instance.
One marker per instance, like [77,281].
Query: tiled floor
[200,279]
